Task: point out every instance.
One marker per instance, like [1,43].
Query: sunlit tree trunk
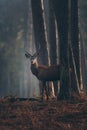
[39,32]
[26,47]
[30,80]
[52,41]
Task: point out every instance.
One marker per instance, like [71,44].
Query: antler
[27,54]
[37,52]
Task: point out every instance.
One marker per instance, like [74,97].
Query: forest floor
[31,114]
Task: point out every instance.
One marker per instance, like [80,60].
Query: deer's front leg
[46,87]
[43,88]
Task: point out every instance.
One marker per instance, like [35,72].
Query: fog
[16,37]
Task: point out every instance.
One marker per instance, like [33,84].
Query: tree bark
[39,33]
[52,42]
[61,13]
[75,45]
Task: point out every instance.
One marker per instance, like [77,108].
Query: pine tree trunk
[75,45]
[39,33]
[61,12]
[52,41]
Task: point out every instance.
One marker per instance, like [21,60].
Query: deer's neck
[36,64]
[34,68]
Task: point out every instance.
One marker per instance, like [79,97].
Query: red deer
[42,72]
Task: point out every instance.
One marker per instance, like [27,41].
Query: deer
[42,72]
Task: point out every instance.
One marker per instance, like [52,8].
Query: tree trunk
[52,42]
[61,12]
[39,32]
[75,45]
[83,62]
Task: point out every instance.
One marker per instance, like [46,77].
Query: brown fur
[46,73]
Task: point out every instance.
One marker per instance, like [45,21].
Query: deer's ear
[27,55]
[36,54]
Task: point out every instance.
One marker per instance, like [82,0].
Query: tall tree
[52,41]
[84,67]
[75,46]
[61,13]
[51,36]
[83,32]
[39,32]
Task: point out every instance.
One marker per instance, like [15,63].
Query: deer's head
[33,58]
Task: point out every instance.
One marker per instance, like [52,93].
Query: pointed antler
[37,52]
[27,54]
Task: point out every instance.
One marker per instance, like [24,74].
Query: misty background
[16,37]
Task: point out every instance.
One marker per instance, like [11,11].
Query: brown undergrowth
[32,114]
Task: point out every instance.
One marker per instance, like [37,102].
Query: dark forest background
[23,26]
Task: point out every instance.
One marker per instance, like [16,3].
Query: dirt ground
[32,114]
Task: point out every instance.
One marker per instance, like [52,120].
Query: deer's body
[44,73]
